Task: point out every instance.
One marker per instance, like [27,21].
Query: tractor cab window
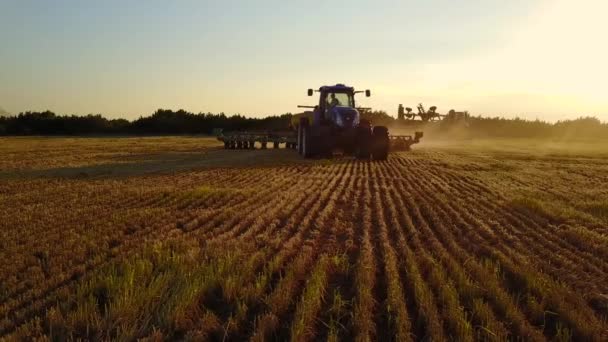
[340,99]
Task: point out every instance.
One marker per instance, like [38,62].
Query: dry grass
[174,238]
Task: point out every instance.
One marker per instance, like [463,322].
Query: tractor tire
[309,149]
[380,143]
[363,143]
[325,146]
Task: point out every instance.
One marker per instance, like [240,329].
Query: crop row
[405,249]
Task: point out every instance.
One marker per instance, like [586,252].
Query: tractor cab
[336,106]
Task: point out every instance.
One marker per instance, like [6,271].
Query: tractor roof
[337,88]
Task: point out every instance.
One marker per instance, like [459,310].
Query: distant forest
[182,122]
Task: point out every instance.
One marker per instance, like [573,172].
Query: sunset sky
[545,59]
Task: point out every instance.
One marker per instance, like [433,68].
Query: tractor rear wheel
[380,143]
[363,143]
[308,144]
[325,146]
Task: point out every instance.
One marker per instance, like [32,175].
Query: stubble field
[175,238]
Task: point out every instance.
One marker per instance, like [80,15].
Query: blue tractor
[336,124]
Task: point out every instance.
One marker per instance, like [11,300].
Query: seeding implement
[405,114]
[248,140]
[334,124]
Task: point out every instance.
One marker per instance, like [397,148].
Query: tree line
[161,122]
[581,128]
[165,121]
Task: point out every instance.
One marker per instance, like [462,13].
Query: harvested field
[174,238]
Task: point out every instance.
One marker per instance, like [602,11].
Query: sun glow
[562,49]
[553,61]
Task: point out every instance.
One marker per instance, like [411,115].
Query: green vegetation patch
[598,209]
[163,287]
[531,205]
[552,209]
